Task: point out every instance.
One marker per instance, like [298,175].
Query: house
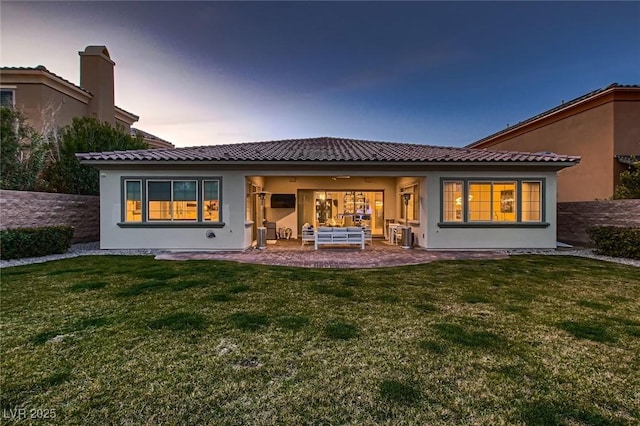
[49,101]
[602,127]
[214,197]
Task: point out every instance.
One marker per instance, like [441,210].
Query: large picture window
[171,200]
[492,201]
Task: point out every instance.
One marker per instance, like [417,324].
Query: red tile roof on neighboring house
[553,110]
[327,149]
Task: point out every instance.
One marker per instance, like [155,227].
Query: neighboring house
[601,127]
[205,198]
[49,101]
[152,140]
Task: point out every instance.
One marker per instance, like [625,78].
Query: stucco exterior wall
[626,133]
[230,237]
[45,107]
[236,234]
[627,128]
[441,238]
[588,134]
[25,209]
[575,218]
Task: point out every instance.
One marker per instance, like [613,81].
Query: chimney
[96,76]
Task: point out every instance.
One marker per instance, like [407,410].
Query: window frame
[199,222]
[541,201]
[172,200]
[518,223]
[125,200]
[13,95]
[201,205]
[492,183]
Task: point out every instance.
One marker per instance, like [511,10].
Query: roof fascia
[316,165]
[125,116]
[598,99]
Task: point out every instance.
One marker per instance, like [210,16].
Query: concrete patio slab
[291,253]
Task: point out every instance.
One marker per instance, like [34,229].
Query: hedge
[616,241]
[34,242]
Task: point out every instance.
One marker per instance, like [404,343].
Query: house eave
[607,95]
[322,165]
[125,116]
[36,76]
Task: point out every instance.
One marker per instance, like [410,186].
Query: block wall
[24,209]
[575,218]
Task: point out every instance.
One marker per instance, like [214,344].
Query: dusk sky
[201,73]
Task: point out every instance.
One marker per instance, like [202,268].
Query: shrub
[616,241]
[85,134]
[33,242]
[23,153]
[629,186]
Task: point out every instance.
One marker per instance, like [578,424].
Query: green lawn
[130,340]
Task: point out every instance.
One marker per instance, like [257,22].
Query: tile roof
[630,160]
[146,135]
[556,109]
[327,149]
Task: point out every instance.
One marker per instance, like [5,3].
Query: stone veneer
[25,209]
[575,218]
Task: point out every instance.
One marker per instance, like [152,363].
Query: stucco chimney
[96,76]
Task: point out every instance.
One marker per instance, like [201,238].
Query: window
[492,201]
[133,200]
[7,98]
[452,195]
[171,200]
[210,200]
[413,207]
[531,201]
[470,201]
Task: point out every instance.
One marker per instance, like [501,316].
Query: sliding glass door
[342,208]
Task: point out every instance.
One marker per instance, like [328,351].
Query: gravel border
[579,252]
[93,249]
[86,249]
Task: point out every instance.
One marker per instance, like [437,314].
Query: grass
[525,340]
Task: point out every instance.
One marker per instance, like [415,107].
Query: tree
[23,153]
[629,186]
[85,134]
